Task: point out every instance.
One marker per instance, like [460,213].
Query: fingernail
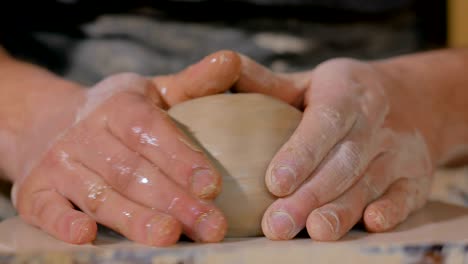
[378,219]
[79,230]
[211,227]
[282,225]
[324,226]
[159,228]
[283,179]
[204,183]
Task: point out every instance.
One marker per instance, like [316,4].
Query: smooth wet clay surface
[240,133]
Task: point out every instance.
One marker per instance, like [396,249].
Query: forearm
[431,89]
[34,107]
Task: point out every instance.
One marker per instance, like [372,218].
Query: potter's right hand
[122,163]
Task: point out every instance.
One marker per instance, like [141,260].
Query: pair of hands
[124,164]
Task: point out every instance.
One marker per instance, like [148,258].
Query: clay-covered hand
[123,163]
[357,154]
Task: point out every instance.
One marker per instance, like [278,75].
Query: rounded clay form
[240,133]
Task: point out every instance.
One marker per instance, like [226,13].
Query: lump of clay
[240,133]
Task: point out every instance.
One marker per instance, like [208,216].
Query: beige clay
[240,133]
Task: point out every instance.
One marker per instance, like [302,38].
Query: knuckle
[374,105]
[380,97]
[39,201]
[372,189]
[333,122]
[122,174]
[97,194]
[33,209]
[122,178]
[52,159]
[330,119]
[116,89]
[141,135]
[310,198]
[147,114]
[416,193]
[349,159]
[307,149]
[348,165]
[138,126]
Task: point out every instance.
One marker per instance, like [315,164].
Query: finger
[255,78]
[402,198]
[333,220]
[136,179]
[343,148]
[321,127]
[99,200]
[287,216]
[306,199]
[406,195]
[150,132]
[214,74]
[345,164]
[54,214]
[341,169]
[332,108]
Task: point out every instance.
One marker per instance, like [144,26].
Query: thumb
[255,78]
[214,74]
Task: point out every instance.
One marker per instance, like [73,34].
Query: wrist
[428,93]
[412,108]
[36,107]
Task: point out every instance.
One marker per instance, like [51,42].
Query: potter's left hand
[355,155]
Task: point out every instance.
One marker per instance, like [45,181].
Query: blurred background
[88,40]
